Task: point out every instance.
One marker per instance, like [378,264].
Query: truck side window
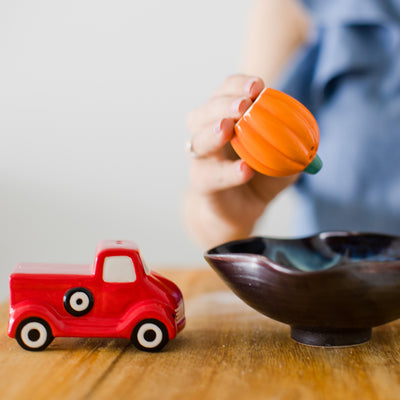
[118,269]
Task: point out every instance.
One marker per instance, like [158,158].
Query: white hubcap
[149,335]
[34,334]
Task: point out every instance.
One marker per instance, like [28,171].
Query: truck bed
[59,269]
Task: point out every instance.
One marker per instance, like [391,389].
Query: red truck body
[115,297]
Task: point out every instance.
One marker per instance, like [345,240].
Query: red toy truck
[116,297]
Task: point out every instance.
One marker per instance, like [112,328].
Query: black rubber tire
[34,334]
[78,301]
[150,335]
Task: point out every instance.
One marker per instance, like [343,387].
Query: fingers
[241,85]
[217,108]
[231,100]
[212,127]
[211,175]
[212,138]
[211,131]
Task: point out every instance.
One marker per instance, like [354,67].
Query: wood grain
[226,351]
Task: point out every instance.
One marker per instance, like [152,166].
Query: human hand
[226,197]
[214,165]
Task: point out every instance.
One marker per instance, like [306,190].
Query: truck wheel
[78,301]
[34,334]
[150,335]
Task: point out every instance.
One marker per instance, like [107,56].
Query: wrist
[211,221]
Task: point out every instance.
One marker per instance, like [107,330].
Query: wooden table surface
[226,351]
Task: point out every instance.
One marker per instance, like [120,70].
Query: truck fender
[149,310]
[29,309]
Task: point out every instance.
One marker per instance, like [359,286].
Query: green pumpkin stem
[314,166]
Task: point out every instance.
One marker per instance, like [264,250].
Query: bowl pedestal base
[325,337]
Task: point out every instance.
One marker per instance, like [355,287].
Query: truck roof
[116,244]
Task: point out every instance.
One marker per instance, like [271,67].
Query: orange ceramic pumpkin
[278,136]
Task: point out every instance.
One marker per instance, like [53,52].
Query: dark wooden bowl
[331,288]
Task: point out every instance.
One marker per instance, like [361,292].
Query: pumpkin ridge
[293,135]
[308,120]
[251,161]
[250,141]
[308,129]
[254,129]
[306,117]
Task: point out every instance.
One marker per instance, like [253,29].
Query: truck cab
[117,297]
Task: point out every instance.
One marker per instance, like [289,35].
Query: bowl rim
[268,262]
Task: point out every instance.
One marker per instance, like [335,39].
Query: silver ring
[190,150]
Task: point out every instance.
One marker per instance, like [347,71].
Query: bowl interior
[318,252]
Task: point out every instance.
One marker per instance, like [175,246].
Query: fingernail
[250,86]
[244,169]
[237,106]
[219,126]
[254,87]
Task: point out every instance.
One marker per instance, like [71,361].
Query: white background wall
[93,102]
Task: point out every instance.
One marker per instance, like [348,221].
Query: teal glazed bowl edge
[331,288]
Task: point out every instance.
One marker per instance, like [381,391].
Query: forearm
[275,30]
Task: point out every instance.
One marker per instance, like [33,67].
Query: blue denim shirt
[348,75]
